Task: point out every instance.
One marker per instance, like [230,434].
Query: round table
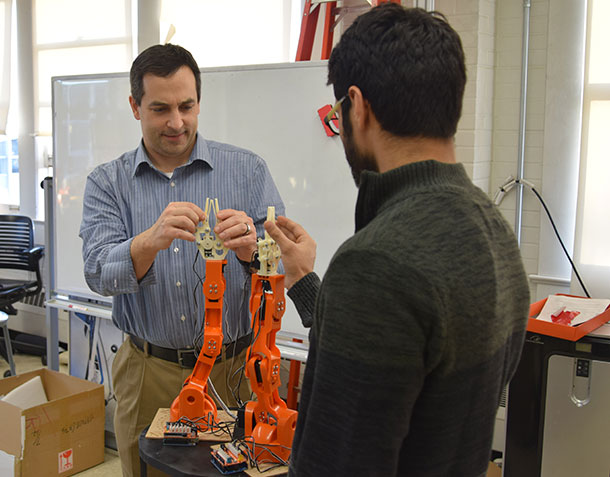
[180,461]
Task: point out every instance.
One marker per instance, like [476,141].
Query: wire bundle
[255,453]
[207,424]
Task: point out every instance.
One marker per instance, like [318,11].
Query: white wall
[475,22]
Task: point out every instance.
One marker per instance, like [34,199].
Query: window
[99,42]
[239,32]
[9,171]
[5,60]
[592,250]
[9,149]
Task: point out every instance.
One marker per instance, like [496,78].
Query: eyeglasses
[332,116]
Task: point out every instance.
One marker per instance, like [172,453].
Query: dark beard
[357,161]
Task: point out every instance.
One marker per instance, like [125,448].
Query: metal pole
[52,314]
[522,118]
[27,127]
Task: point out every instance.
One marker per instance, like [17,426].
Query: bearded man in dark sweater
[419,322]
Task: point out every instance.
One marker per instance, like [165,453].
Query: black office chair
[19,261]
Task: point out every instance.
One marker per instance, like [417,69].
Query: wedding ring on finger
[247,229]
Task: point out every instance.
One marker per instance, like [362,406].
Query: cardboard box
[566,332]
[61,437]
[493,470]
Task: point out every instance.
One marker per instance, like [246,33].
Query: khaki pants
[143,384]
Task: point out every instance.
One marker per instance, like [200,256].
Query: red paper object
[564,317]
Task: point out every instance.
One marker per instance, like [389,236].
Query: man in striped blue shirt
[140,213]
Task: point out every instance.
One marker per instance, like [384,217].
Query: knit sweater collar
[379,190]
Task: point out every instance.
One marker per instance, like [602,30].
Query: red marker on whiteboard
[77,307]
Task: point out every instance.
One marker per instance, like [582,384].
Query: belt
[186,357]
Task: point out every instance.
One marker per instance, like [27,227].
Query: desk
[547,433]
[187,461]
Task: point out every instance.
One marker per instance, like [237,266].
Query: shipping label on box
[66,461]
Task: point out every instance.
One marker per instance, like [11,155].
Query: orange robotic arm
[268,421]
[194,402]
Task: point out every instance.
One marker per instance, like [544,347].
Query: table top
[180,461]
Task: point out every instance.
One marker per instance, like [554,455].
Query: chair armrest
[34,256]
[39,251]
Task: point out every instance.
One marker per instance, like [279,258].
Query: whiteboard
[268,109]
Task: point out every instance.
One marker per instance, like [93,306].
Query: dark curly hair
[409,65]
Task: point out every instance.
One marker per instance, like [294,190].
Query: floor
[24,363]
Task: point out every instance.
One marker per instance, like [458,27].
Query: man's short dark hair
[161,60]
[409,65]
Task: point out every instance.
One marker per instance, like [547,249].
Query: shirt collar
[199,153]
[379,190]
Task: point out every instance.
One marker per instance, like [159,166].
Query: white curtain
[592,238]
[5,61]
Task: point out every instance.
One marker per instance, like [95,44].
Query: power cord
[512,182]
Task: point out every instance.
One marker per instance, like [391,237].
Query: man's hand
[179,220]
[237,231]
[298,248]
